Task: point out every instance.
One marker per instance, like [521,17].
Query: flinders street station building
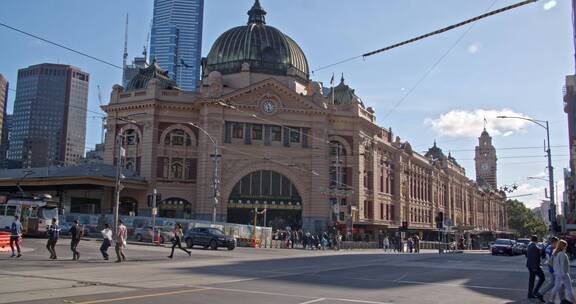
[260,133]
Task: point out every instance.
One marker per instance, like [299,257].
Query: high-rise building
[49,119]
[176,40]
[4,85]
[486,161]
[132,70]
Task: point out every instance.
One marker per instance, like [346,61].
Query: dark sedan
[207,237]
[503,246]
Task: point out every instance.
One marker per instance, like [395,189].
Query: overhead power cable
[59,45]
[437,32]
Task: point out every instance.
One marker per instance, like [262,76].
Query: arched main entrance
[268,190]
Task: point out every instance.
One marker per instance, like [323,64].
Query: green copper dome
[145,75]
[263,47]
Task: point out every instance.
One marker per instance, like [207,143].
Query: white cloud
[550,5]
[474,48]
[535,192]
[462,123]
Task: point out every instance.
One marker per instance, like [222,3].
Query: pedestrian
[53,236]
[386,243]
[177,241]
[416,244]
[15,236]
[76,234]
[533,261]
[550,263]
[561,265]
[106,241]
[121,236]
[411,244]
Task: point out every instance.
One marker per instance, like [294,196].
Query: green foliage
[522,221]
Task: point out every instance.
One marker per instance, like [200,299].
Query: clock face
[268,106]
[484,168]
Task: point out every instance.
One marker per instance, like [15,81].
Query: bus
[35,214]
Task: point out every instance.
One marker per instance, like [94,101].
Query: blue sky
[515,61]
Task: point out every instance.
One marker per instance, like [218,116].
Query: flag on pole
[332,80]
[485,122]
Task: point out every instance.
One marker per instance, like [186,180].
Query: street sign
[449,222]
[154,211]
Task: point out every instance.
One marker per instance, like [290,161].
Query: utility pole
[551,181]
[118,182]
[216,173]
[215,181]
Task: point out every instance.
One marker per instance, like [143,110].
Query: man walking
[15,236]
[121,236]
[53,236]
[75,233]
[106,241]
[533,261]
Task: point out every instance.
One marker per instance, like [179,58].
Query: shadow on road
[380,272]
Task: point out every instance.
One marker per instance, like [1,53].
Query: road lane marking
[461,285]
[153,295]
[287,295]
[314,301]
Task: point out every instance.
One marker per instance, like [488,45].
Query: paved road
[260,276]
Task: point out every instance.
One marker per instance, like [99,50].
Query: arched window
[178,138]
[131,137]
[177,168]
[130,165]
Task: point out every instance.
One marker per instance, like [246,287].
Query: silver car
[145,234]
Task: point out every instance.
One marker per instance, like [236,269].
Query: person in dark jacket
[53,236]
[533,261]
[75,233]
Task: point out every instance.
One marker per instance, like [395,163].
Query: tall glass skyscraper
[49,120]
[176,39]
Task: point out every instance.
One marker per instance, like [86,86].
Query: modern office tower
[4,85]
[176,40]
[49,119]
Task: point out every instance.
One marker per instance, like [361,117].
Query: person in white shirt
[386,243]
[562,273]
[106,241]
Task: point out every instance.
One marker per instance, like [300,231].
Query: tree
[523,221]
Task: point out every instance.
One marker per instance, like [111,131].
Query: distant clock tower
[486,161]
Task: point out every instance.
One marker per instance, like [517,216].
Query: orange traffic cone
[157,238]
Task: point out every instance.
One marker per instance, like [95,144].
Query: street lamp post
[544,124]
[215,174]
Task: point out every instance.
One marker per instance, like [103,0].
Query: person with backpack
[76,234]
[15,236]
[561,265]
[177,241]
[53,236]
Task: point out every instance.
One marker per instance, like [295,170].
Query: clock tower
[486,161]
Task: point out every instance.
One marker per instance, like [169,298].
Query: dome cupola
[258,48]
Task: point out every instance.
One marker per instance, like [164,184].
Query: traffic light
[440,220]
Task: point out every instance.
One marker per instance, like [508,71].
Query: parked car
[145,234]
[522,245]
[503,246]
[207,237]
